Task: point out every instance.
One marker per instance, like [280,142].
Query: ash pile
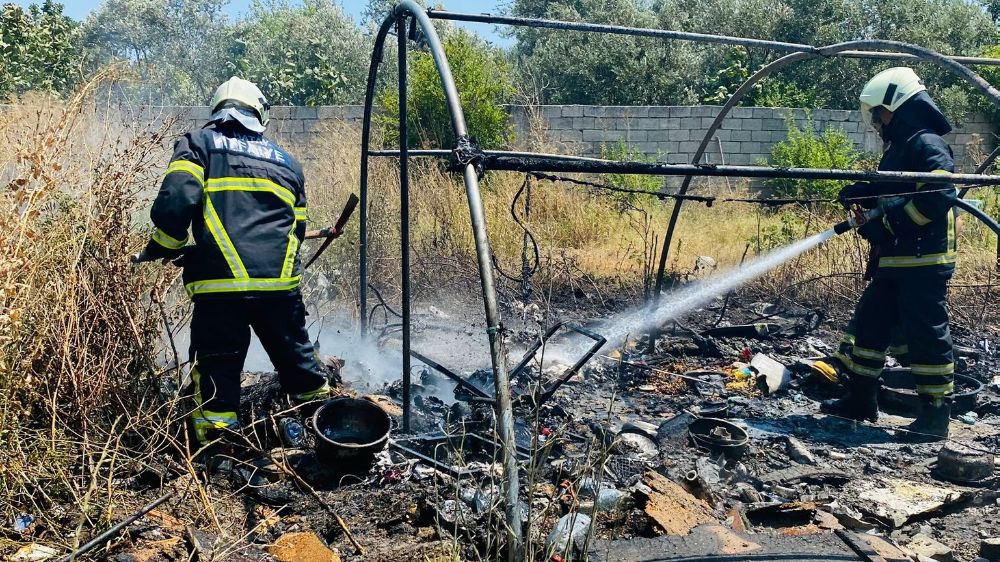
[710,443]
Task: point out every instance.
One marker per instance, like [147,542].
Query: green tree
[483,79]
[176,48]
[311,54]
[572,67]
[38,49]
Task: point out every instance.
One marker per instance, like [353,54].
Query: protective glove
[876,233]
[858,193]
[154,251]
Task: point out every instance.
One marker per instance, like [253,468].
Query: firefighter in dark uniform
[915,247]
[243,199]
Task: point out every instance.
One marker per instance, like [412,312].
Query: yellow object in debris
[827,371]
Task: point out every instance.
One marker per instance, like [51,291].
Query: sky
[79,9]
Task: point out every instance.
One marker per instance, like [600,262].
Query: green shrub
[623,152]
[771,236]
[831,149]
[484,84]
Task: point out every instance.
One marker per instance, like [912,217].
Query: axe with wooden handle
[333,232]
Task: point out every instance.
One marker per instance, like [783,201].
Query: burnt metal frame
[421,20]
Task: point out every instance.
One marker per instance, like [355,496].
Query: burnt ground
[614,440]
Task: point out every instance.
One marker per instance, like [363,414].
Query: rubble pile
[708,442]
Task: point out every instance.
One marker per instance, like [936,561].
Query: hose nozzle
[858,218]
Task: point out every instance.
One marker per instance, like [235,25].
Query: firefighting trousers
[906,314]
[220,338]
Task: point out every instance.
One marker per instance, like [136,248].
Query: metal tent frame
[411,21]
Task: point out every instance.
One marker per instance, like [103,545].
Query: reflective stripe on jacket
[244,200]
[924,227]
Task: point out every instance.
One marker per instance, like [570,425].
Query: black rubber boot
[931,423]
[860,402]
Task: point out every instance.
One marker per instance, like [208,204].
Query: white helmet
[241,94]
[889,89]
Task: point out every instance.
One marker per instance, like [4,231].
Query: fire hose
[859,218]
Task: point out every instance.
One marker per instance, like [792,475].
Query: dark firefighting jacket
[921,231]
[243,198]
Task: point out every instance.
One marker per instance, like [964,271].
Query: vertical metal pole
[404,212]
[366,133]
[498,355]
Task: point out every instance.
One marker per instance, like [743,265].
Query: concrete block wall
[672,134]
[667,133]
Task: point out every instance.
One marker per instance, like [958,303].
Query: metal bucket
[349,431]
[719,437]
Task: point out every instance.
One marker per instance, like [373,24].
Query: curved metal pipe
[983,166]
[678,35]
[831,50]
[498,356]
[366,134]
[979,214]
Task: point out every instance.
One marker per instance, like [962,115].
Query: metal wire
[710,200]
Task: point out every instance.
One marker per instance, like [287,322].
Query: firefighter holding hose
[913,258]
[243,198]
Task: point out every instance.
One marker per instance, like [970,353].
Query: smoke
[368,367]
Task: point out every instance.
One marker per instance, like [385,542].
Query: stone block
[594,135]
[778,136]
[571,135]
[739,159]
[593,111]
[305,112]
[647,148]
[680,111]
[617,111]
[583,123]
[688,147]
[313,126]
[550,111]
[572,111]
[354,112]
[740,135]
[281,112]
[690,135]
[330,112]
[760,136]
[559,123]
[648,123]
[706,122]
[741,113]
[773,124]
[677,158]
[659,111]
[724,134]
[661,135]
[704,111]
[290,126]
[669,147]
[690,122]
[636,136]
[752,147]
[753,124]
